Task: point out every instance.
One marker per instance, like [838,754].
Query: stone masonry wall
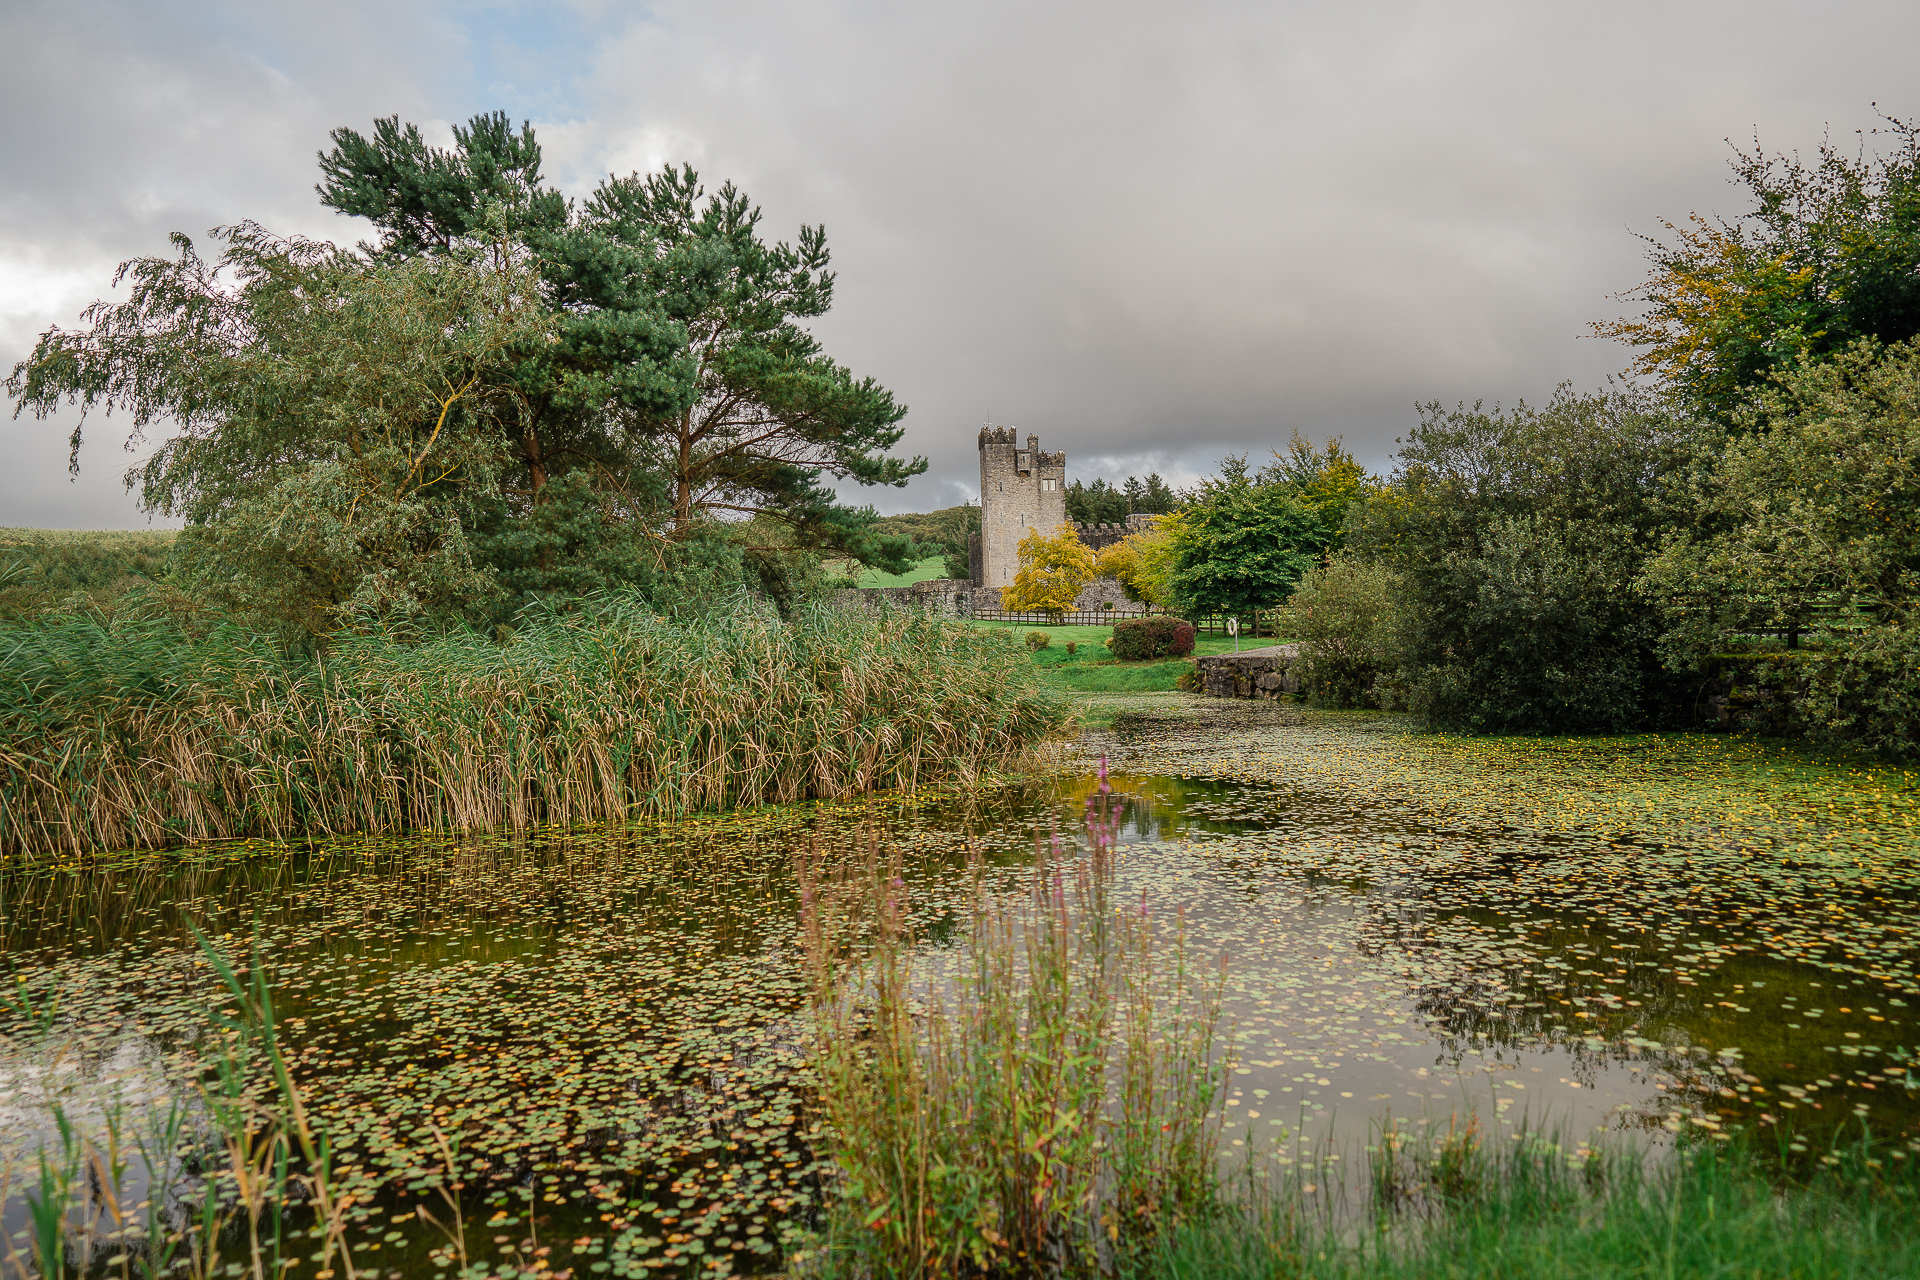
[1107,594]
[1266,672]
[1099,536]
[1021,489]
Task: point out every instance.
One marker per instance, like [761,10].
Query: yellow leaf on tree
[1144,561]
[1054,568]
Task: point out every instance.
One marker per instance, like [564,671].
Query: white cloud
[1151,233]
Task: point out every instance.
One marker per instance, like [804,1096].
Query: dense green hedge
[1137,639]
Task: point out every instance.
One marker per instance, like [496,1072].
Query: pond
[599,1030]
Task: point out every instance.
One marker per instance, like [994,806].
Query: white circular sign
[1233,626]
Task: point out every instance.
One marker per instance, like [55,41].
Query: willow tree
[335,418]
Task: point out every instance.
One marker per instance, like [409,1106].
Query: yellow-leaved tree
[1054,567]
[1143,561]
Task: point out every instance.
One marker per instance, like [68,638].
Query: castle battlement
[1022,488]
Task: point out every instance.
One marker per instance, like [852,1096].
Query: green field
[925,571]
[1092,669]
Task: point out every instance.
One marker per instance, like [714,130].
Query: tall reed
[135,735]
[223,1174]
[1048,1101]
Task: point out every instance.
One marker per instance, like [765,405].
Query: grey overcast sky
[1152,234]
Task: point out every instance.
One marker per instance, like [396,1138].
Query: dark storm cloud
[1153,234]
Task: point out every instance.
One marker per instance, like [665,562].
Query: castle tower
[1021,489]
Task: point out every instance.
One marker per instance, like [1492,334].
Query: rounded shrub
[1137,639]
[1037,640]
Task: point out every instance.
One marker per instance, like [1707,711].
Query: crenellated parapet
[1098,536]
[1022,488]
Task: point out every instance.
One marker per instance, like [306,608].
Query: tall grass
[1046,1103]
[69,570]
[1459,1208]
[137,735]
[244,1170]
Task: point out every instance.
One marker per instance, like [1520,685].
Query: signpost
[1233,629]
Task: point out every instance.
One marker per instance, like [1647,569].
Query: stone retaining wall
[1251,673]
[952,597]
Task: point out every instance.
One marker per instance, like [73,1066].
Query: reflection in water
[604,1019]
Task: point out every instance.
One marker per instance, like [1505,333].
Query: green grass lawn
[925,571]
[1092,669]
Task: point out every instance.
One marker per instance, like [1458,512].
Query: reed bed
[139,736]
[1045,1104]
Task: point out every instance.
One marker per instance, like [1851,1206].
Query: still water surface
[1415,935]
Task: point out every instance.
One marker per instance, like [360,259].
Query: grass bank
[1711,1210]
[1092,669]
[922,571]
[136,735]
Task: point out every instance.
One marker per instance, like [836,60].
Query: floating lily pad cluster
[598,1034]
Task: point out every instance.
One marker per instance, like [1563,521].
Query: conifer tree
[682,350]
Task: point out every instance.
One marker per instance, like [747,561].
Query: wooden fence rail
[1257,624]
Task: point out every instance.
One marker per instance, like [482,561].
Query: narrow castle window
[1047,485]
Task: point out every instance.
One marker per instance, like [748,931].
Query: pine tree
[681,349]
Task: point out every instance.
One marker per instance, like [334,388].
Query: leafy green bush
[1038,640]
[1809,523]
[1864,689]
[1338,615]
[1137,639]
[1518,538]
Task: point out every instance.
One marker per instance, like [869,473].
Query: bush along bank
[1137,639]
[143,736]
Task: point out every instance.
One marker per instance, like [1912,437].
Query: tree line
[1738,518]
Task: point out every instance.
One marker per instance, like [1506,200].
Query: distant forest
[1103,503]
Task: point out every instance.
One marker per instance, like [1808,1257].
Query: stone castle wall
[949,597]
[1021,489]
[1098,536]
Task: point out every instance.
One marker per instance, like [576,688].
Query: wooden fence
[1257,624]
[1068,618]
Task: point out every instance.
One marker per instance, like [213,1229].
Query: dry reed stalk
[595,717]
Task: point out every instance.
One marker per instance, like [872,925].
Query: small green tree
[336,418]
[1242,547]
[1339,616]
[1810,522]
[1054,568]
